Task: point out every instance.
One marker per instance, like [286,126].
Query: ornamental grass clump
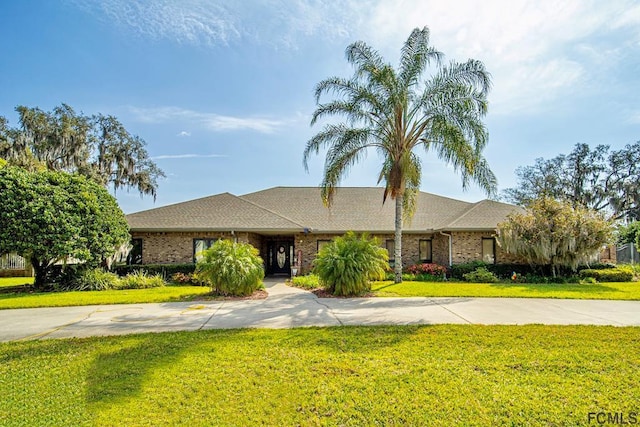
[140,279]
[347,264]
[91,280]
[231,268]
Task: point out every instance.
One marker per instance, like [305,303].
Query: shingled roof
[295,209]
[222,212]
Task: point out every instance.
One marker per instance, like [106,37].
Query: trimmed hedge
[505,271]
[502,271]
[597,266]
[164,270]
[608,275]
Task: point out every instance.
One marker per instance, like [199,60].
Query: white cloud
[183,134]
[211,121]
[537,51]
[223,22]
[186,156]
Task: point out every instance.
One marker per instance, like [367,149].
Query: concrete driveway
[288,307]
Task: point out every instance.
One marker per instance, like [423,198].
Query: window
[322,244]
[489,250]
[135,254]
[391,250]
[425,250]
[200,245]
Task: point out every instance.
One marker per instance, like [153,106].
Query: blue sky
[222,91]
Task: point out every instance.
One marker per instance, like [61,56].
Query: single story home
[288,225]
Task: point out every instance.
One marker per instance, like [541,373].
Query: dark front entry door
[279,255]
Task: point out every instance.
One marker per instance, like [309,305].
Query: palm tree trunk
[398,239]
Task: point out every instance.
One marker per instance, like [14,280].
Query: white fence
[12,262]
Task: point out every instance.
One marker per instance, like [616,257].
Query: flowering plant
[427,268]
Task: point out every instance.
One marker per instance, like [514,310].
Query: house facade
[288,225]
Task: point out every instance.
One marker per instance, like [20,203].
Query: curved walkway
[288,307]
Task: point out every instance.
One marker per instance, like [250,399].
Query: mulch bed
[322,293]
[17,289]
[259,294]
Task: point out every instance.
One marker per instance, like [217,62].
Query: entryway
[279,255]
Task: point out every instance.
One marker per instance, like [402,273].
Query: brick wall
[467,246]
[609,254]
[307,244]
[173,248]
[440,248]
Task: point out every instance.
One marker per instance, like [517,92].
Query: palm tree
[397,111]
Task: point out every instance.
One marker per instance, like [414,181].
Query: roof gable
[219,212]
[483,215]
[355,208]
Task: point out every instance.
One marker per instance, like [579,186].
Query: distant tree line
[601,179]
[97,147]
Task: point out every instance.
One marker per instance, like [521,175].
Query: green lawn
[405,375]
[125,296]
[15,281]
[611,291]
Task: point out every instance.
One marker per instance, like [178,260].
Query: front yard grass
[446,375]
[609,291]
[123,296]
[15,281]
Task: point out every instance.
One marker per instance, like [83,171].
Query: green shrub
[430,278]
[480,275]
[608,275]
[231,268]
[90,280]
[181,278]
[505,271]
[347,264]
[141,280]
[164,270]
[598,266]
[459,270]
[310,281]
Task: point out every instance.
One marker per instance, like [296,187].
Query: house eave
[467,229]
[213,230]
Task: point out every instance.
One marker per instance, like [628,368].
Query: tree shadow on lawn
[555,287]
[120,372]
[384,287]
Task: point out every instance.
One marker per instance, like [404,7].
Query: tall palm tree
[397,111]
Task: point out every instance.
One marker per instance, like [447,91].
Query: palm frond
[416,54]
[365,59]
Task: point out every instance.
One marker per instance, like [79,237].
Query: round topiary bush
[347,264]
[481,275]
[231,268]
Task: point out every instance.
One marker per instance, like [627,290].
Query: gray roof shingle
[222,212]
[293,209]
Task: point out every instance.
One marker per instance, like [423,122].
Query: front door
[279,256]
